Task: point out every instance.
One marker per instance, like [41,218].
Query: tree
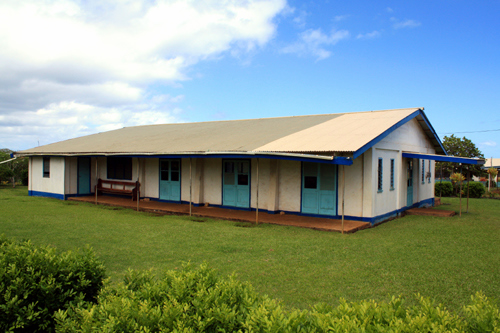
[13,171]
[460,148]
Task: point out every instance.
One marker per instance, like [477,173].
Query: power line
[493,130]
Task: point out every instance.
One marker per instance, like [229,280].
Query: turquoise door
[236,184]
[409,192]
[83,175]
[319,183]
[170,180]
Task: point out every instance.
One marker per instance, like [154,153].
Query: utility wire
[493,130]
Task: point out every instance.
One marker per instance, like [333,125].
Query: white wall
[290,185]
[408,138]
[71,179]
[213,181]
[55,183]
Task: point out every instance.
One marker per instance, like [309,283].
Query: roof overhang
[422,120]
[340,160]
[444,158]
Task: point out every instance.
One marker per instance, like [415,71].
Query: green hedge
[476,189]
[36,281]
[200,301]
[444,189]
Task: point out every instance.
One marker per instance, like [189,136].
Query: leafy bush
[200,301]
[476,189]
[444,189]
[36,281]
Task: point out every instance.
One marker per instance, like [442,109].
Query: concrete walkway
[229,214]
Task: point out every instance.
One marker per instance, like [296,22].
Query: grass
[447,259]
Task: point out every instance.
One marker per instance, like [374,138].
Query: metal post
[468,186]
[441,182]
[190,186]
[460,190]
[257,204]
[343,195]
[139,189]
[96,180]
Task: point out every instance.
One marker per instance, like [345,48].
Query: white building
[377,163]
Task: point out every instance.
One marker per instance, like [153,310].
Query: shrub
[200,301]
[476,189]
[444,189]
[36,281]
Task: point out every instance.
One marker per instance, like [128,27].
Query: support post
[468,186]
[343,195]
[190,186]
[460,190]
[441,181]
[139,189]
[96,180]
[257,204]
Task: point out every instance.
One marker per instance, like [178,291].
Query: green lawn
[448,259]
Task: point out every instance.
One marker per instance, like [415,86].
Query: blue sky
[70,68]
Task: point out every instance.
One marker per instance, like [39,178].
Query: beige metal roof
[492,162]
[344,132]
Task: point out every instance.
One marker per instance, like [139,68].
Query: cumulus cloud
[488,144]
[397,24]
[314,42]
[369,35]
[61,60]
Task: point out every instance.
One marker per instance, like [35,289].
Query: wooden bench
[118,187]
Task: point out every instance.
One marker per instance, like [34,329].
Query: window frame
[46,167]
[393,165]
[380,180]
[117,164]
[430,173]
[423,171]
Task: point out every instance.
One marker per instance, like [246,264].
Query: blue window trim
[423,171]
[430,173]
[392,174]
[46,171]
[380,179]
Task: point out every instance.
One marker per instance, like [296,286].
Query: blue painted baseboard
[46,195]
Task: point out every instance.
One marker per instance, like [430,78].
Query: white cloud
[488,144]
[369,35]
[61,59]
[339,18]
[314,42]
[404,24]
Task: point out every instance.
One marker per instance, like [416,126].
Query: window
[380,174]
[392,174]
[423,172]
[120,168]
[429,173]
[46,167]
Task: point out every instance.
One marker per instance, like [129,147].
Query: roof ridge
[280,117]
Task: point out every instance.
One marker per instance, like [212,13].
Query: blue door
[409,192]
[236,184]
[319,183]
[170,179]
[83,175]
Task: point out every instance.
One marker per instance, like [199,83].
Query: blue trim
[443,158]
[46,195]
[428,123]
[379,138]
